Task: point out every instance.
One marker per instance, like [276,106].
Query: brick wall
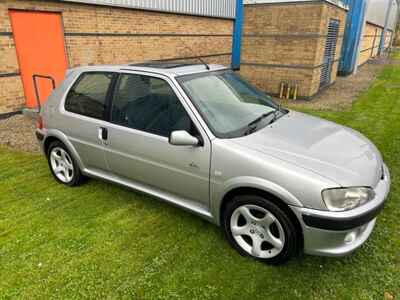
[371,40]
[107,35]
[369,44]
[287,42]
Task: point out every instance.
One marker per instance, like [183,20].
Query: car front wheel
[260,229]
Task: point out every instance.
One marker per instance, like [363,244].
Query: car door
[145,110]
[84,114]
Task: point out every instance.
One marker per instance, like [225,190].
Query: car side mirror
[183,138]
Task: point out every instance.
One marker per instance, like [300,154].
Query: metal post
[237,35]
[35,85]
[395,26]
[383,37]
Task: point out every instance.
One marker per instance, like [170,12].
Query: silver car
[277,181]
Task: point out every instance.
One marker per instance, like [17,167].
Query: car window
[88,95]
[148,104]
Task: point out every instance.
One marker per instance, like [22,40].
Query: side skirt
[180,202]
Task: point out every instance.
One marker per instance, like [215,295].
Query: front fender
[250,182]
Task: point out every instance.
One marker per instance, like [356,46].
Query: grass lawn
[396,54]
[101,240]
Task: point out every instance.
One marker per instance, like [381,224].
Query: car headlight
[342,199]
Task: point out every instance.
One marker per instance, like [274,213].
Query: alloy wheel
[257,231]
[61,164]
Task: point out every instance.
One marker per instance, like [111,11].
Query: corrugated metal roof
[213,8]
[340,3]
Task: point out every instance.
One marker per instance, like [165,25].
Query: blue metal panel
[352,36]
[237,35]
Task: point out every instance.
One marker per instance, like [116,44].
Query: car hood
[333,151]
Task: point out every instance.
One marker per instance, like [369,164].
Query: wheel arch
[53,136]
[281,198]
[48,141]
[250,183]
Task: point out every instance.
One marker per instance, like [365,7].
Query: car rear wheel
[260,229]
[62,165]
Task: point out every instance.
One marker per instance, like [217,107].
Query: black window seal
[110,96]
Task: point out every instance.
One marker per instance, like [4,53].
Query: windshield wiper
[252,126]
[262,117]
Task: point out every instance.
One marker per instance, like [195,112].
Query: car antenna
[199,58]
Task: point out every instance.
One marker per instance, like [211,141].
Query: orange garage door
[39,41]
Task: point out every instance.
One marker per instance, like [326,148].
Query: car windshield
[230,106]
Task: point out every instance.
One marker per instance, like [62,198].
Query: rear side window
[89,94]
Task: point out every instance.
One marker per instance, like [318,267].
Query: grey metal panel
[376,12]
[393,16]
[213,8]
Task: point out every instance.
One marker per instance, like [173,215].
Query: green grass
[103,241]
[396,54]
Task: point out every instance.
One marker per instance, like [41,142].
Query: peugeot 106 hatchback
[198,136]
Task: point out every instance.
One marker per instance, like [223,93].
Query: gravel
[18,132]
[341,95]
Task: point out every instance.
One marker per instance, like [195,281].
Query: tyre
[260,229]
[63,166]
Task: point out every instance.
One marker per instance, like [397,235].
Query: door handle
[103,133]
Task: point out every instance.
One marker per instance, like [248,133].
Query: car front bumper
[339,233]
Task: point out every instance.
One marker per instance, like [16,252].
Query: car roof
[164,68]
